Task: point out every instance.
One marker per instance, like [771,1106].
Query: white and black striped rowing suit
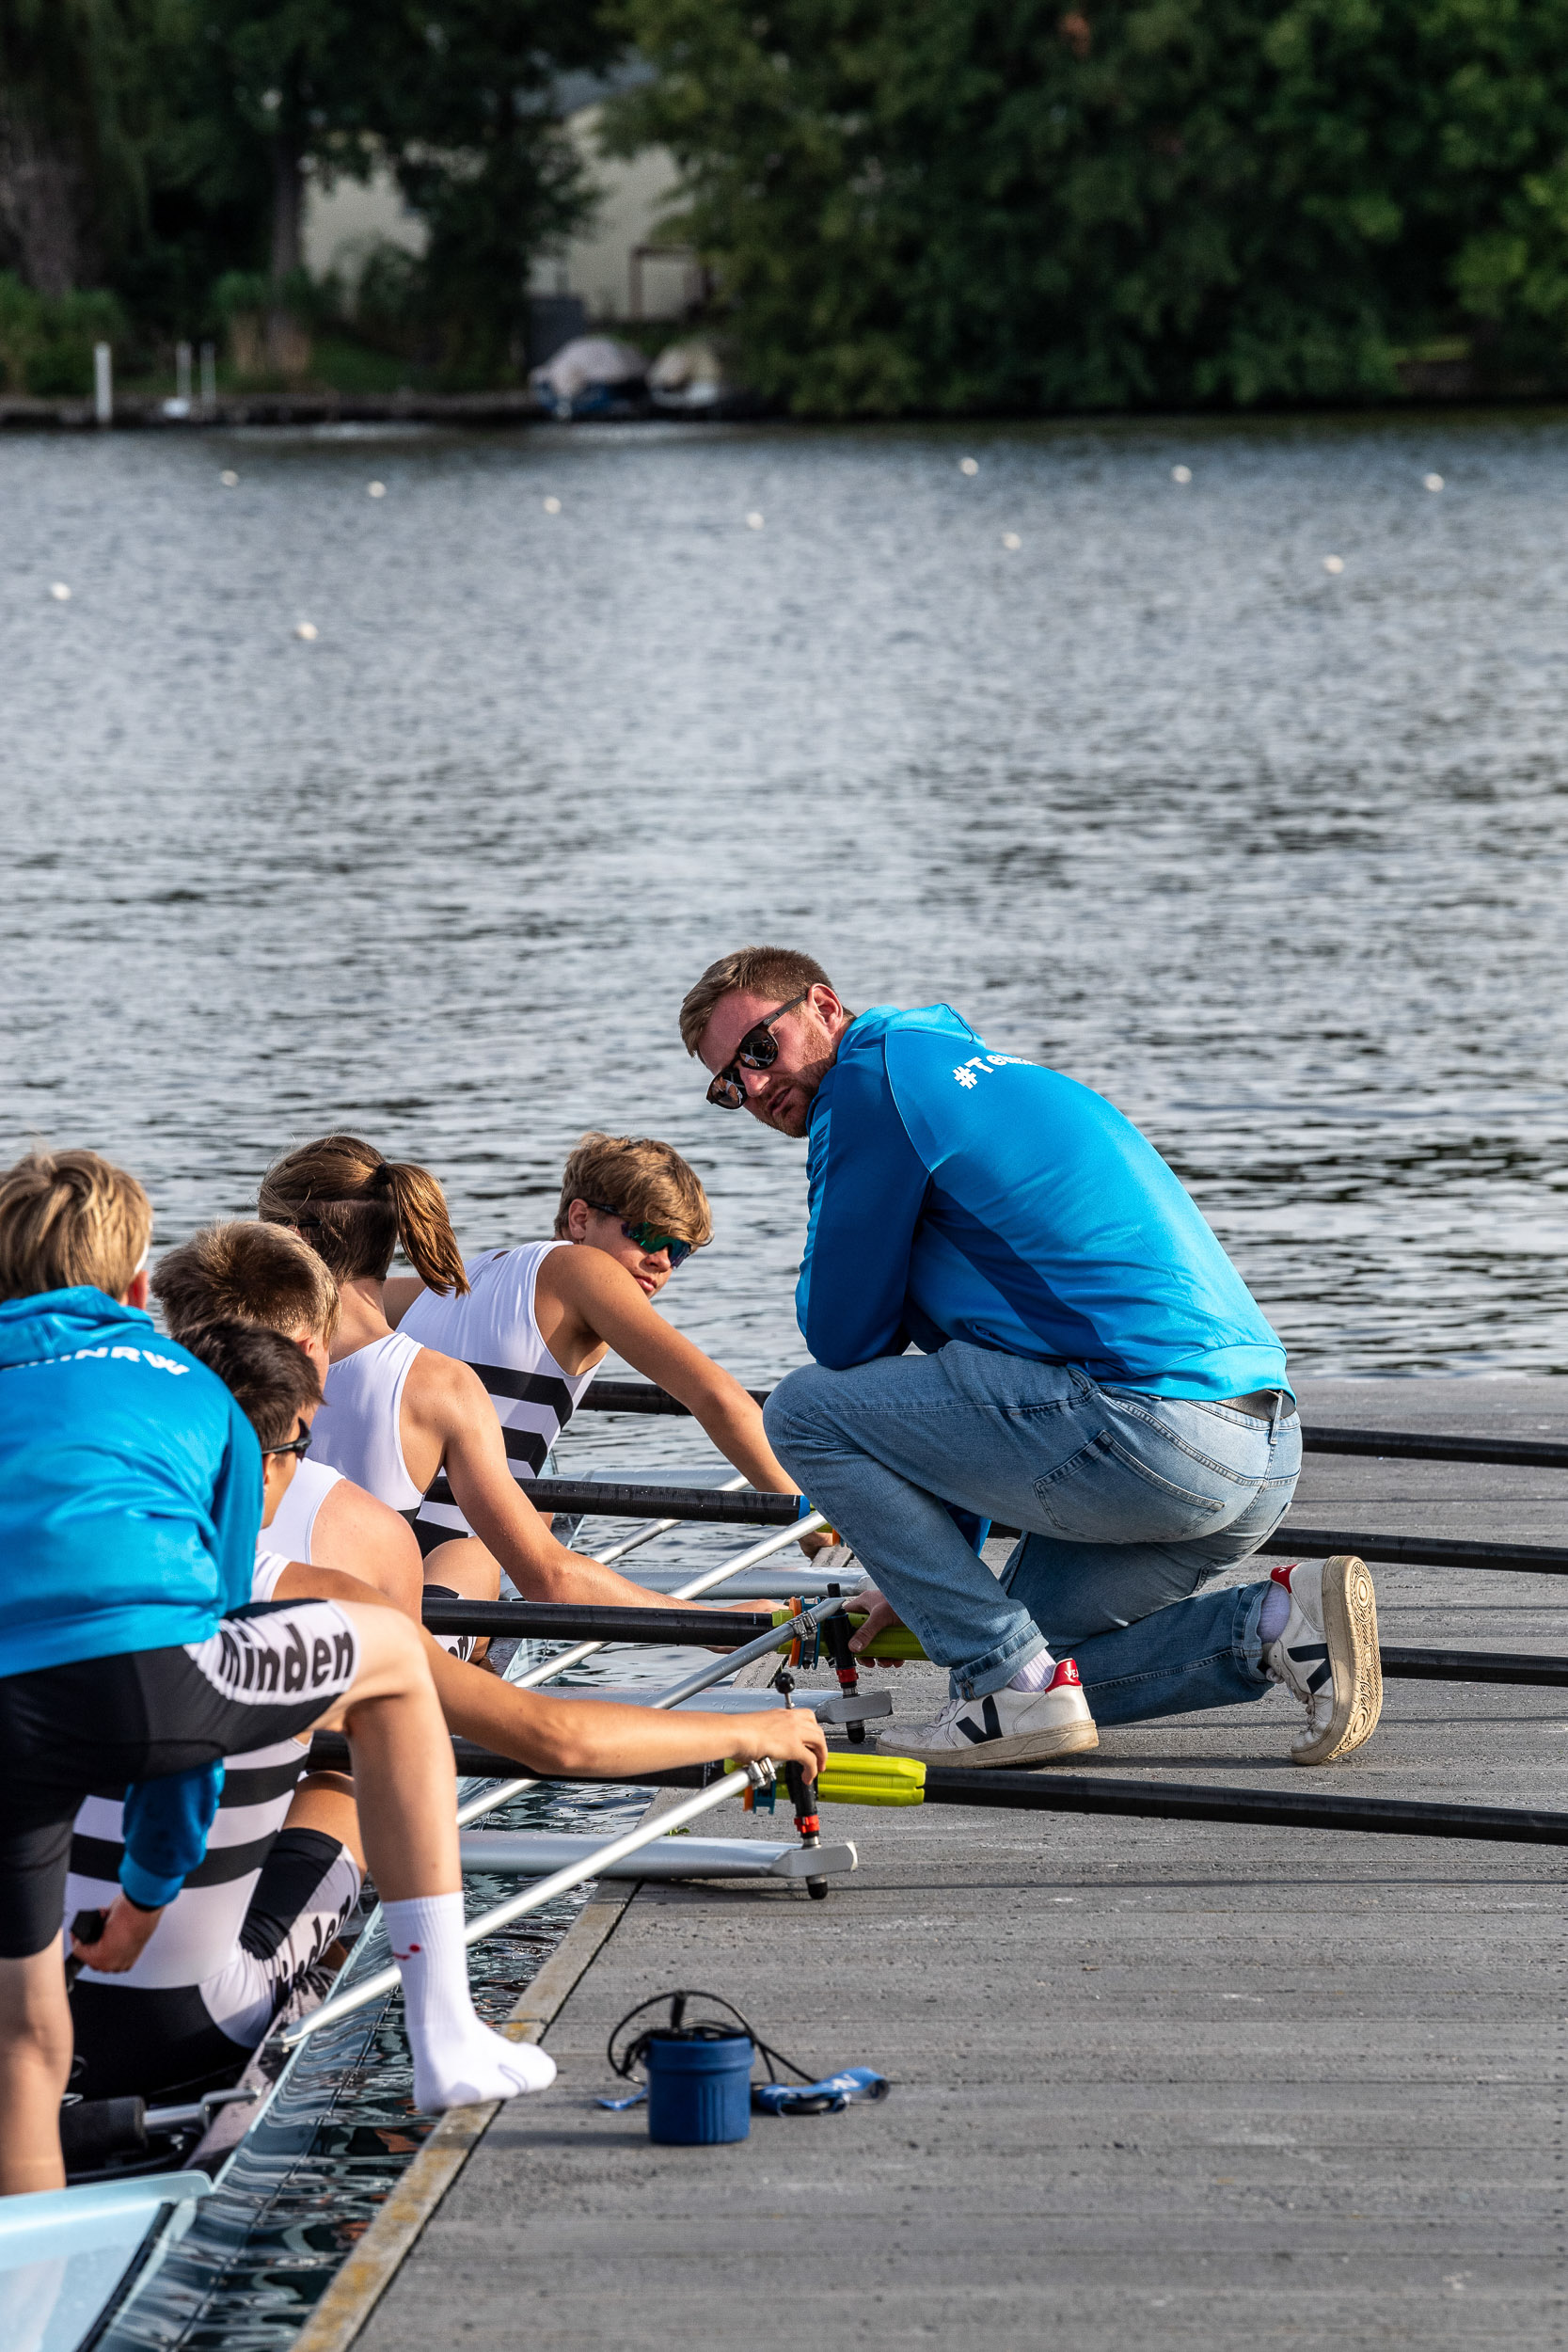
[240,1939]
[358,1434]
[293,1531]
[494,1330]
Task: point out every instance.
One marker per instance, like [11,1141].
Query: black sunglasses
[300,1447]
[757,1050]
[648,1237]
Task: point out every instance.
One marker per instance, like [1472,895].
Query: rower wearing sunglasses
[536,1321]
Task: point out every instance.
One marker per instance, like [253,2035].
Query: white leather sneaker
[1327,1655]
[1004,1727]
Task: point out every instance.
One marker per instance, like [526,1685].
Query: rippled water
[1273,857]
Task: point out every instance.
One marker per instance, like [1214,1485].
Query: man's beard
[804,1082]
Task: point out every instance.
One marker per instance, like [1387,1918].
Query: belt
[1261,1404]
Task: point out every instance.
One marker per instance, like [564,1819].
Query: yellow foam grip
[872,1780]
[897,1642]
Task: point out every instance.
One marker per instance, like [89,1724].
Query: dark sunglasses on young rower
[648,1238]
[757,1050]
[299,1447]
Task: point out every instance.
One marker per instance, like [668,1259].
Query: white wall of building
[344,221]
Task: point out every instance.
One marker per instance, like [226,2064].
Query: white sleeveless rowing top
[294,1522]
[356,1430]
[200,1932]
[494,1330]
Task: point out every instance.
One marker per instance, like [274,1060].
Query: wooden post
[103,384]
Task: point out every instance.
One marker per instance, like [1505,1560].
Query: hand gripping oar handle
[544,1891]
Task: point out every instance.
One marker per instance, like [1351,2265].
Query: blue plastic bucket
[699,2091]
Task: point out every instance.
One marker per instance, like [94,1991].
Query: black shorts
[67,1732]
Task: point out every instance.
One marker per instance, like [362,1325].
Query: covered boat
[592,376]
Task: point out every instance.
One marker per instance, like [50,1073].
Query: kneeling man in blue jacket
[1091,1368]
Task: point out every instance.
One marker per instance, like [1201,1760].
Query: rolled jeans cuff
[997,1667]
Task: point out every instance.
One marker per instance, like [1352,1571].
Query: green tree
[71,184]
[998,203]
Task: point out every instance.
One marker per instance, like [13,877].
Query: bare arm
[447,1401]
[566,1738]
[604,1299]
[367,1539]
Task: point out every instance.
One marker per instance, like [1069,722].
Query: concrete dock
[1153,2083]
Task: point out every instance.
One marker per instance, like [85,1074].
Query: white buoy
[60,593]
[753,522]
[306,629]
[969,465]
[1432,481]
[1011,540]
[552,506]
[1181,473]
[375,489]
[1334,563]
[229,480]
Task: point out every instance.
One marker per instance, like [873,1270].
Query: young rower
[247,1272]
[536,1321]
[399,1411]
[248,1931]
[254,1273]
[130,1499]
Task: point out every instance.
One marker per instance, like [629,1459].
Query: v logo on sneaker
[1302,1651]
[989,1716]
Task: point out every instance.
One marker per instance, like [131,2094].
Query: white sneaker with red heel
[1327,1654]
[1006,1726]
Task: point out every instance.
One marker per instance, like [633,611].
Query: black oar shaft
[684,1628]
[1181,1801]
[548,1621]
[1411,1445]
[1310,1543]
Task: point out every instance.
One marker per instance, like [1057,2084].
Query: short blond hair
[780,972]
[247,1272]
[70,1220]
[644,1181]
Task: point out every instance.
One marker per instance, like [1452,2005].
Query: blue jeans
[1129,1503]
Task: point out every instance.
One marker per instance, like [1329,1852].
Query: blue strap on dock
[830,2096]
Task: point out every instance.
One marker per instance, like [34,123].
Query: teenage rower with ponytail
[398,1413]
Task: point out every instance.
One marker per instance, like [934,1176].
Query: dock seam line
[380,2254]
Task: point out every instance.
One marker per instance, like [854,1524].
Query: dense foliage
[960,204]
[182,131]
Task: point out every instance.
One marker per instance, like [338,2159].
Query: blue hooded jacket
[956,1194]
[130,1486]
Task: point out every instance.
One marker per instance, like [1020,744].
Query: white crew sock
[458,2062]
[1037,1675]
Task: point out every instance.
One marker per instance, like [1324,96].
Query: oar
[662,1527]
[559,1883]
[1411,1445]
[488,1799]
[859,1782]
[1310,1543]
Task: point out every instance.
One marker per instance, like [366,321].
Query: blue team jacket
[956,1194]
[130,1503]
[130,1486]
